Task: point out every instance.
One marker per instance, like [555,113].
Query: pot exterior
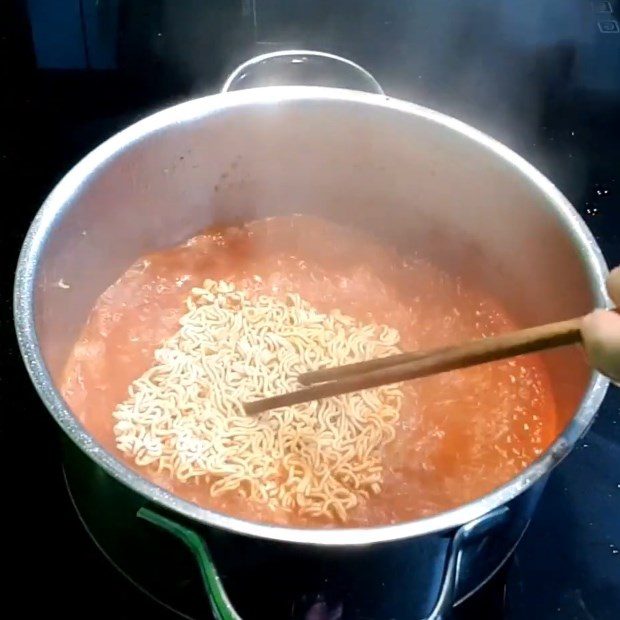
[399,579]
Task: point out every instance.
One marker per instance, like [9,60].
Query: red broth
[460,434]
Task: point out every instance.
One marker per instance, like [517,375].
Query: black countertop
[568,565]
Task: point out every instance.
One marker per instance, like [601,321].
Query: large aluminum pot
[420,179]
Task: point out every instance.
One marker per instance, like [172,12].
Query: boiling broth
[460,434]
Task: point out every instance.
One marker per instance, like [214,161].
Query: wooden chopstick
[406,366]
[338,372]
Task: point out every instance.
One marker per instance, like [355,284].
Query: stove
[543,76]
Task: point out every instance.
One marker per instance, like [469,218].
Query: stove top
[541,79]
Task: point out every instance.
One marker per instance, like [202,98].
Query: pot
[413,176]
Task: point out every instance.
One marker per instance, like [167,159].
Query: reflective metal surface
[239,78]
[419,178]
[397,579]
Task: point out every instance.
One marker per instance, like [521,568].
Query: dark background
[544,77]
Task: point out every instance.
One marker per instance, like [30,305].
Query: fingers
[613,285]
[601,335]
[601,332]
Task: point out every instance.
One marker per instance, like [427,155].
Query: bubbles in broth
[459,434]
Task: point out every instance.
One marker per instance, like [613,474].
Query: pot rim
[56,203]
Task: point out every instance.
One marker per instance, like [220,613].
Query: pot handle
[470,531]
[220,604]
[298,57]
[223,609]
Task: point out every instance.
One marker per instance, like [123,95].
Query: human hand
[601,333]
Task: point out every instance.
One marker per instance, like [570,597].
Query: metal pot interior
[422,181]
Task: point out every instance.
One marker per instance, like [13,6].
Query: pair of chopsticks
[406,366]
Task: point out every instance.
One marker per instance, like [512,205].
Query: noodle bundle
[184,415]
